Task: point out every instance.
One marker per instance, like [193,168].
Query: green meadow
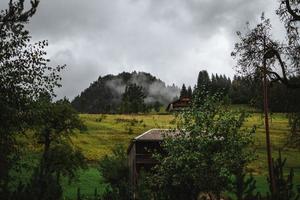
[105,131]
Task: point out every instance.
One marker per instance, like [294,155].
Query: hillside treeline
[141,92]
[125,93]
[248,90]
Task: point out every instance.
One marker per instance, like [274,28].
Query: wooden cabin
[140,151]
[180,104]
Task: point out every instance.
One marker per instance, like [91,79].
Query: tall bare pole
[267,128]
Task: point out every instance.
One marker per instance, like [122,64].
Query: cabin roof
[153,135]
[183,102]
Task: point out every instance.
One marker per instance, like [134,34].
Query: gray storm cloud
[171,39]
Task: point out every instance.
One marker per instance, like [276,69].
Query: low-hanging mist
[105,94]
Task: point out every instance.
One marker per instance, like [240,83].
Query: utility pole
[267,55]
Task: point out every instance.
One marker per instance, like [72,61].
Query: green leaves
[211,148]
[24,76]
[115,172]
[54,122]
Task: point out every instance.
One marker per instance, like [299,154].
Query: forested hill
[105,94]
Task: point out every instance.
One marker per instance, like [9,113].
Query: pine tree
[203,79]
[183,92]
[189,92]
[133,99]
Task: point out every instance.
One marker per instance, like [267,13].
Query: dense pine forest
[111,93]
[142,92]
[248,90]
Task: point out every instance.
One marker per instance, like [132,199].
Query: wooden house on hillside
[179,104]
[140,151]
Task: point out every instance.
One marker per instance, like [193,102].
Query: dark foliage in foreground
[211,148]
[284,184]
[115,172]
[27,86]
[24,76]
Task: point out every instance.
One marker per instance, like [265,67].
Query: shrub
[115,171]
[211,149]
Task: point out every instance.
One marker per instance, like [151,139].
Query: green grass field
[105,131]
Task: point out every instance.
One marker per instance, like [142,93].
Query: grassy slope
[104,131]
[102,135]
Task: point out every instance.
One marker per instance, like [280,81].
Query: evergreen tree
[203,79]
[183,92]
[133,99]
[240,91]
[213,87]
[189,92]
[157,106]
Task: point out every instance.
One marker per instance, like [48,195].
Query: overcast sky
[171,39]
